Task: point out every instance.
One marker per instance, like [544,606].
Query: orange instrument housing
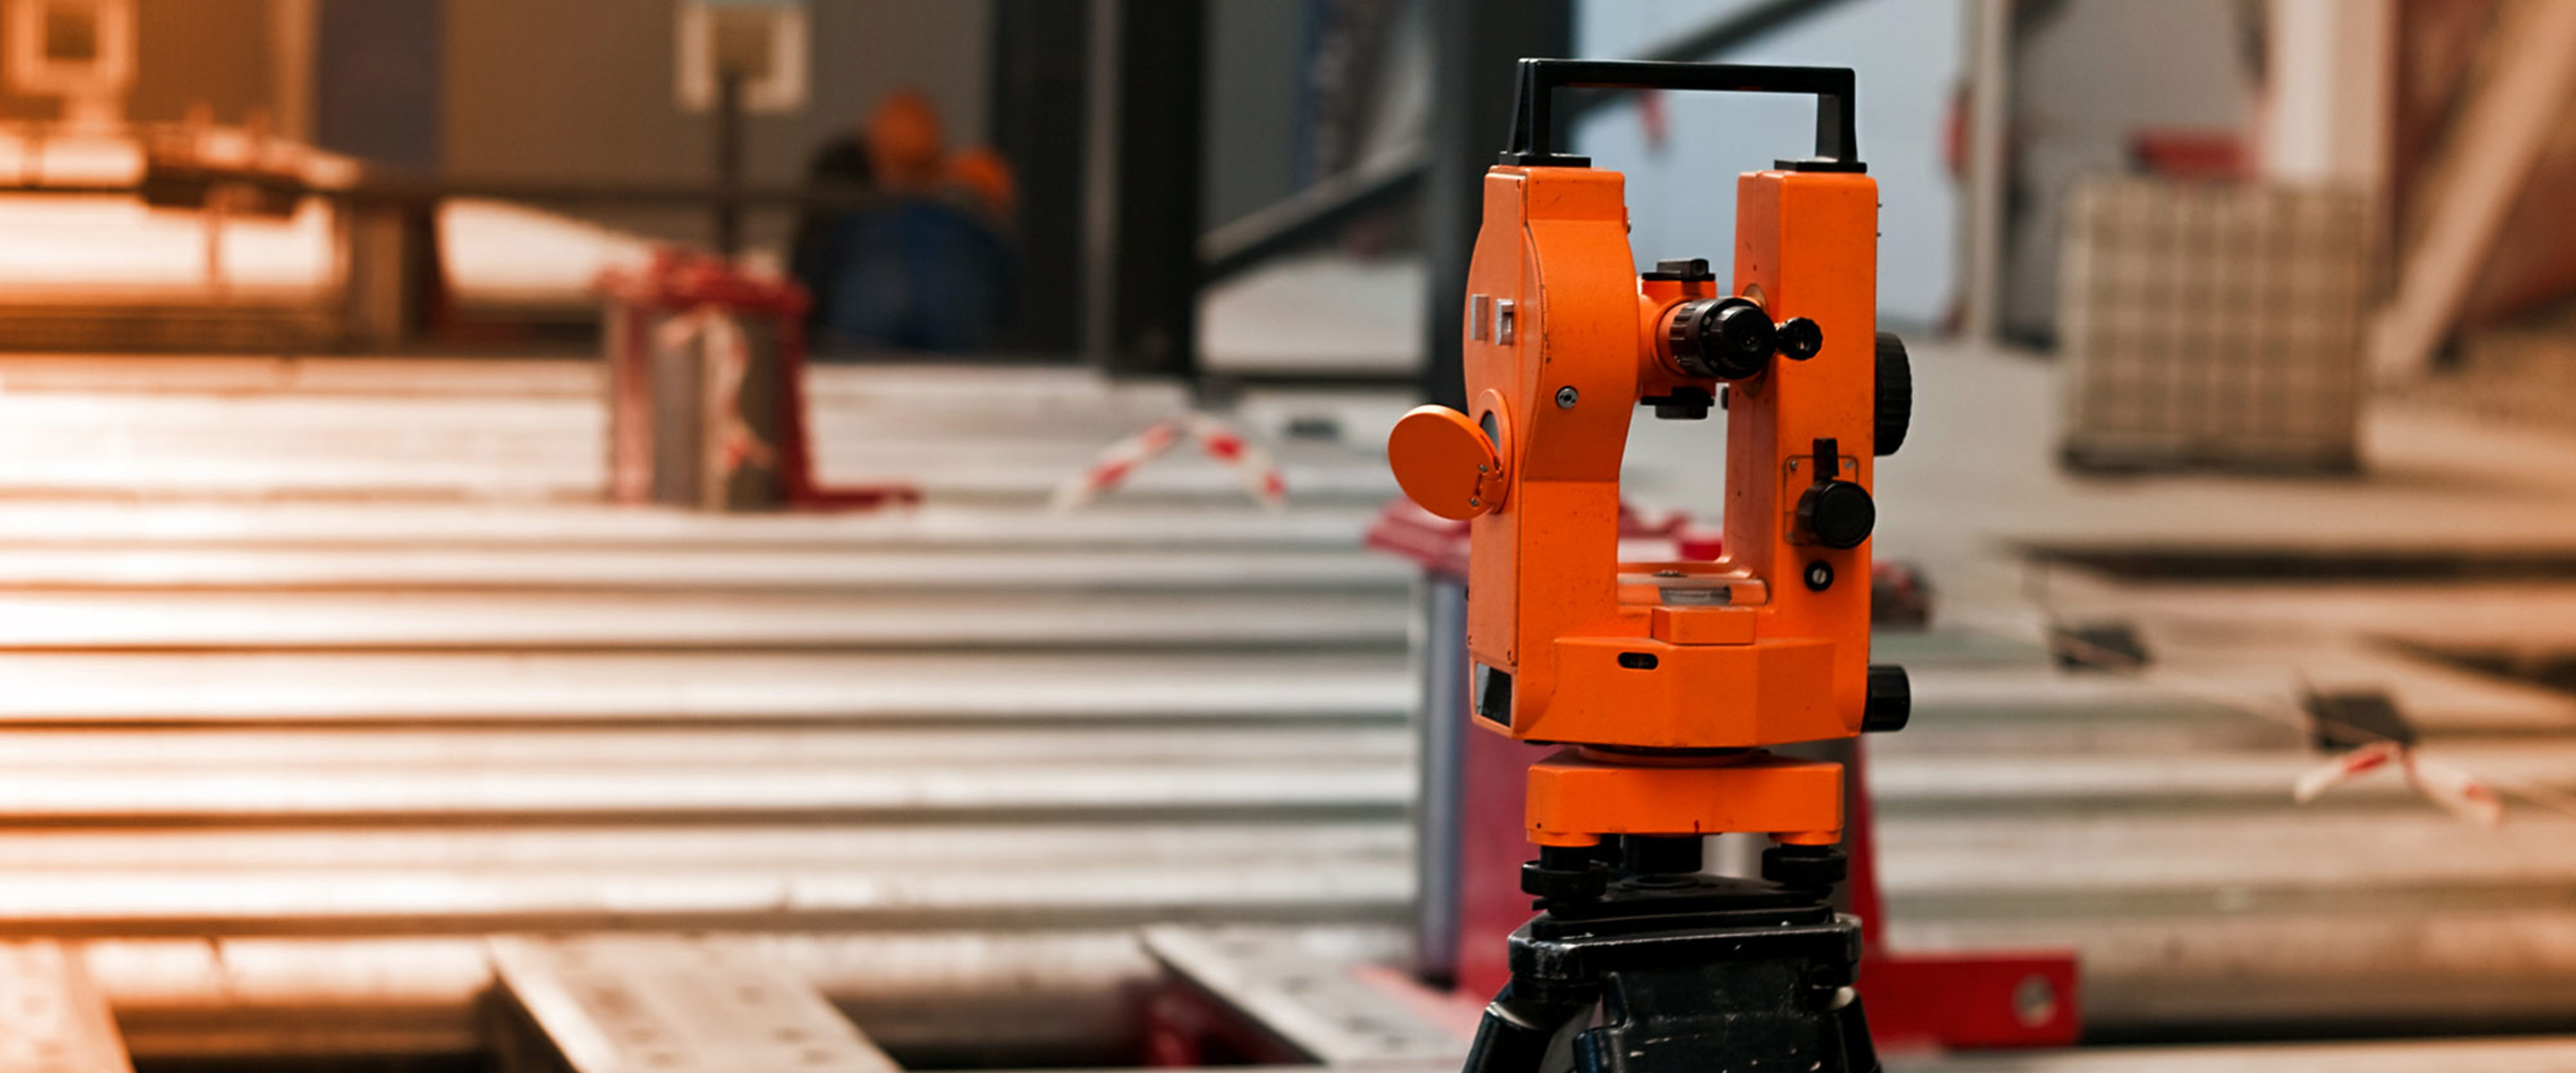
[1668,679]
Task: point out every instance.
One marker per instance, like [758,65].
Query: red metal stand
[679,283]
[1949,999]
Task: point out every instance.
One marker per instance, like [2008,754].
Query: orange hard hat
[905,140]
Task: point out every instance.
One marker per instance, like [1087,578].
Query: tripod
[1687,972]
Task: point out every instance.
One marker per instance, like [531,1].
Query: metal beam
[1040,90]
[1321,209]
[1981,221]
[1719,37]
[1141,224]
[1300,217]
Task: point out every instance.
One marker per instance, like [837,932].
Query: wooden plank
[52,1019]
[602,1005]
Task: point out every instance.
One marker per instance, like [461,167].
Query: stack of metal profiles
[324,674]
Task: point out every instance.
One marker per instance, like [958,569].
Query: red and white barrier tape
[2457,791]
[1252,466]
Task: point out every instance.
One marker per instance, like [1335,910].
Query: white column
[1981,218]
[2326,118]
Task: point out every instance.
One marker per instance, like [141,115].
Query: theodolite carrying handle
[1533,134]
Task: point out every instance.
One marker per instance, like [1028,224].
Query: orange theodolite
[1667,681]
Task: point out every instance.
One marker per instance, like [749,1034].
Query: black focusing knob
[1891,700]
[1836,514]
[1723,338]
[1895,396]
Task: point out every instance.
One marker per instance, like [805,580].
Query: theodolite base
[1688,975]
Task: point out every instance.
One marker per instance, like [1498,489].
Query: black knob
[1723,338]
[1895,396]
[1800,339]
[1565,874]
[1836,514]
[1891,700]
[1805,867]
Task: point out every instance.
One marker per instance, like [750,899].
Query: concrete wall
[216,51]
[583,90]
[377,73]
[1681,196]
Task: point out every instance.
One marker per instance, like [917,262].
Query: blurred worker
[839,167]
[985,174]
[928,269]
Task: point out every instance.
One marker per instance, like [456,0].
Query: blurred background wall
[224,53]
[605,70]
[1682,190]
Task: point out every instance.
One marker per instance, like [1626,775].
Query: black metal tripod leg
[1515,1035]
[1857,1046]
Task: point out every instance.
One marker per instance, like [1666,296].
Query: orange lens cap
[1445,464]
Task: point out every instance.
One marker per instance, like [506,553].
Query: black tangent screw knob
[1800,339]
[1891,700]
